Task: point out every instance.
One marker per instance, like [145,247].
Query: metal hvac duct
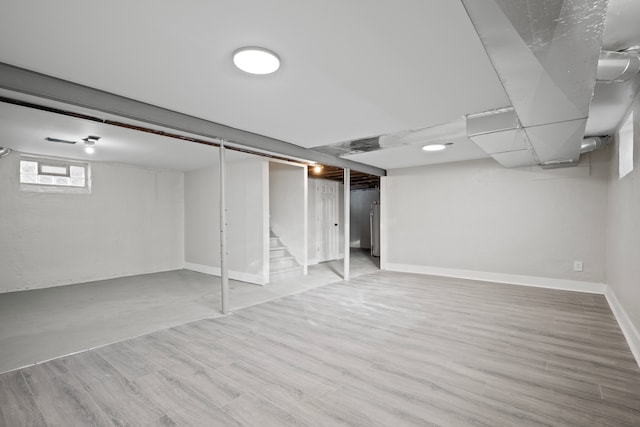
[617,67]
[589,144]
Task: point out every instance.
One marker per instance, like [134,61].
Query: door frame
[318,217]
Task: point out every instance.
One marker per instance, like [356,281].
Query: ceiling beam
[29,82]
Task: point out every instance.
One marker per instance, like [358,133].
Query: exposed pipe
[347,223]
[617,67]
[224,266]
[592,143]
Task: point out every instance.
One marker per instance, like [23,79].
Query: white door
[327,237]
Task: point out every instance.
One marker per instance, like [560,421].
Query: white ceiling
[350,69]
[25,129]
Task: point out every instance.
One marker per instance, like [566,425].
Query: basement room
[339,213]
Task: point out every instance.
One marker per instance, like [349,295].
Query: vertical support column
[347,222]
[224,268]
[383,222]
[305,209]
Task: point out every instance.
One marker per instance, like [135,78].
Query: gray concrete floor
[44,324]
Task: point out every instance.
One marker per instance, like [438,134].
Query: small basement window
[54,175]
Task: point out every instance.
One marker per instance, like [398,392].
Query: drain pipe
[617,67]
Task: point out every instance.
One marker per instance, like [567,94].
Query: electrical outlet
[577,266]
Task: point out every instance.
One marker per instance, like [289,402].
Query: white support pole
[224,268]
[347,221]
[305,210]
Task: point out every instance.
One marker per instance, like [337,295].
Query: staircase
[282,264]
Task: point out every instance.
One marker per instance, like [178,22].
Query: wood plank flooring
[385,349]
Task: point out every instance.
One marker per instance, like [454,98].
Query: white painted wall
[623,236]
[245,227]
[287,206]
[360,231]
[469,217]
[131,223]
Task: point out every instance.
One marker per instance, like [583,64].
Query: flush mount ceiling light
[436,147]
[256,60]
[317,168]
[4,151]
[89,144]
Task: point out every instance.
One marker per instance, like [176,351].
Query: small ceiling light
[317,168]
[89,144]
[256,60]
[4,151]
[436,147]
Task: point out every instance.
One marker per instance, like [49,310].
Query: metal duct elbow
[616,67]
[591,143]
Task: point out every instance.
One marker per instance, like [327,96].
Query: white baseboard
[512,279]
[628,329]
[256,279]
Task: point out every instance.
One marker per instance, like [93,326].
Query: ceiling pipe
[617,67]
[592,143]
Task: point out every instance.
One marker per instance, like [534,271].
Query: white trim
[235,275]
[88,281]
[512,279]
[628,328]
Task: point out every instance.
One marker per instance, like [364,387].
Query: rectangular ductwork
[545,53]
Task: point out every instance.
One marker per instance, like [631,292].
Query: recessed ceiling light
[435,147]
[256,60]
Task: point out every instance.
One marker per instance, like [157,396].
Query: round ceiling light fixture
[89,144]
[256,60]
[317,168]
[436,147]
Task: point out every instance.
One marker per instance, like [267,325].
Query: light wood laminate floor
[43,324]
[385,349]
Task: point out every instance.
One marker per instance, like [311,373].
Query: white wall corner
[628,328]
[256,279]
